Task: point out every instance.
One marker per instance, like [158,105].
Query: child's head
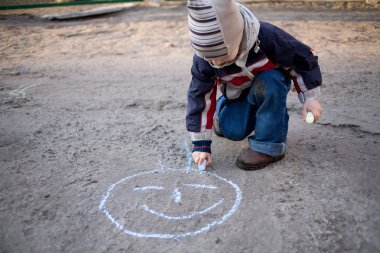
[216,29]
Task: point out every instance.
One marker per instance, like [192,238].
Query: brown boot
[253,160]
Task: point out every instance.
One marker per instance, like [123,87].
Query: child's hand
[313,106]
[199,157]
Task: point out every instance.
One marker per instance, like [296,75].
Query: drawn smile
[161,201]
[184,217]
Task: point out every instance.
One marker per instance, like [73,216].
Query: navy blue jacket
[278,49]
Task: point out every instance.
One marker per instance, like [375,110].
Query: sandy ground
[90,108]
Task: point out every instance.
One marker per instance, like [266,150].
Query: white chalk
[202,167]
[309,118]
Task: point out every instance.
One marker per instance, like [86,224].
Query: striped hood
[250,35]
[215,26]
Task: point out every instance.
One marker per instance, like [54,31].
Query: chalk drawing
[177,195]
[144,188]
[19,92]
[184,217]
[202,186]
[201,217]
[160,162]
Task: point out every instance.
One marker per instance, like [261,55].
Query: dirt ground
[93,140]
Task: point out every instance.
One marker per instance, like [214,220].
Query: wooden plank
[44,4]
[88,13]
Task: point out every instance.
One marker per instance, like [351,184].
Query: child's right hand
[313,106]
[199,157]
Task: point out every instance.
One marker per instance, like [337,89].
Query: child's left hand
[313,106]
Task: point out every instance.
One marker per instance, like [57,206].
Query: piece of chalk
[309,118]
[202,167]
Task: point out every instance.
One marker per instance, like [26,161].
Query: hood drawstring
[257,48]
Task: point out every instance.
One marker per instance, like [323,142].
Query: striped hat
[216,27]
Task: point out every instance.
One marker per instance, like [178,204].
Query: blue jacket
[278,49]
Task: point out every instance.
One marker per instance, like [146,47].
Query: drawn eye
[202,186]
[150,187]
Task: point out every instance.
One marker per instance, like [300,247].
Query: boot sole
[258,166]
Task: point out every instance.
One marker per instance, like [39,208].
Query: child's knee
[269,83]
[234,128]
[233,133]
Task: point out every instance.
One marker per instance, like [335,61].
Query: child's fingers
[207,157]
[195,157]
[200,161]
[317,112]
[317,115]
[209,161]
[200,157]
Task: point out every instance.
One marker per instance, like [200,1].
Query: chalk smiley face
[177,198]
[170,203]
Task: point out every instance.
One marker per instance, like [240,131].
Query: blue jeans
[262,109]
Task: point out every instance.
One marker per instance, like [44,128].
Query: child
[253,64]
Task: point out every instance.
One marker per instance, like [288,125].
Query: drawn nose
[176,196]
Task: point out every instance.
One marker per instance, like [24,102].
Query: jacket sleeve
[294,56]
[201,104]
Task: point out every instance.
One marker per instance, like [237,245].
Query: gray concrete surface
[89,102]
